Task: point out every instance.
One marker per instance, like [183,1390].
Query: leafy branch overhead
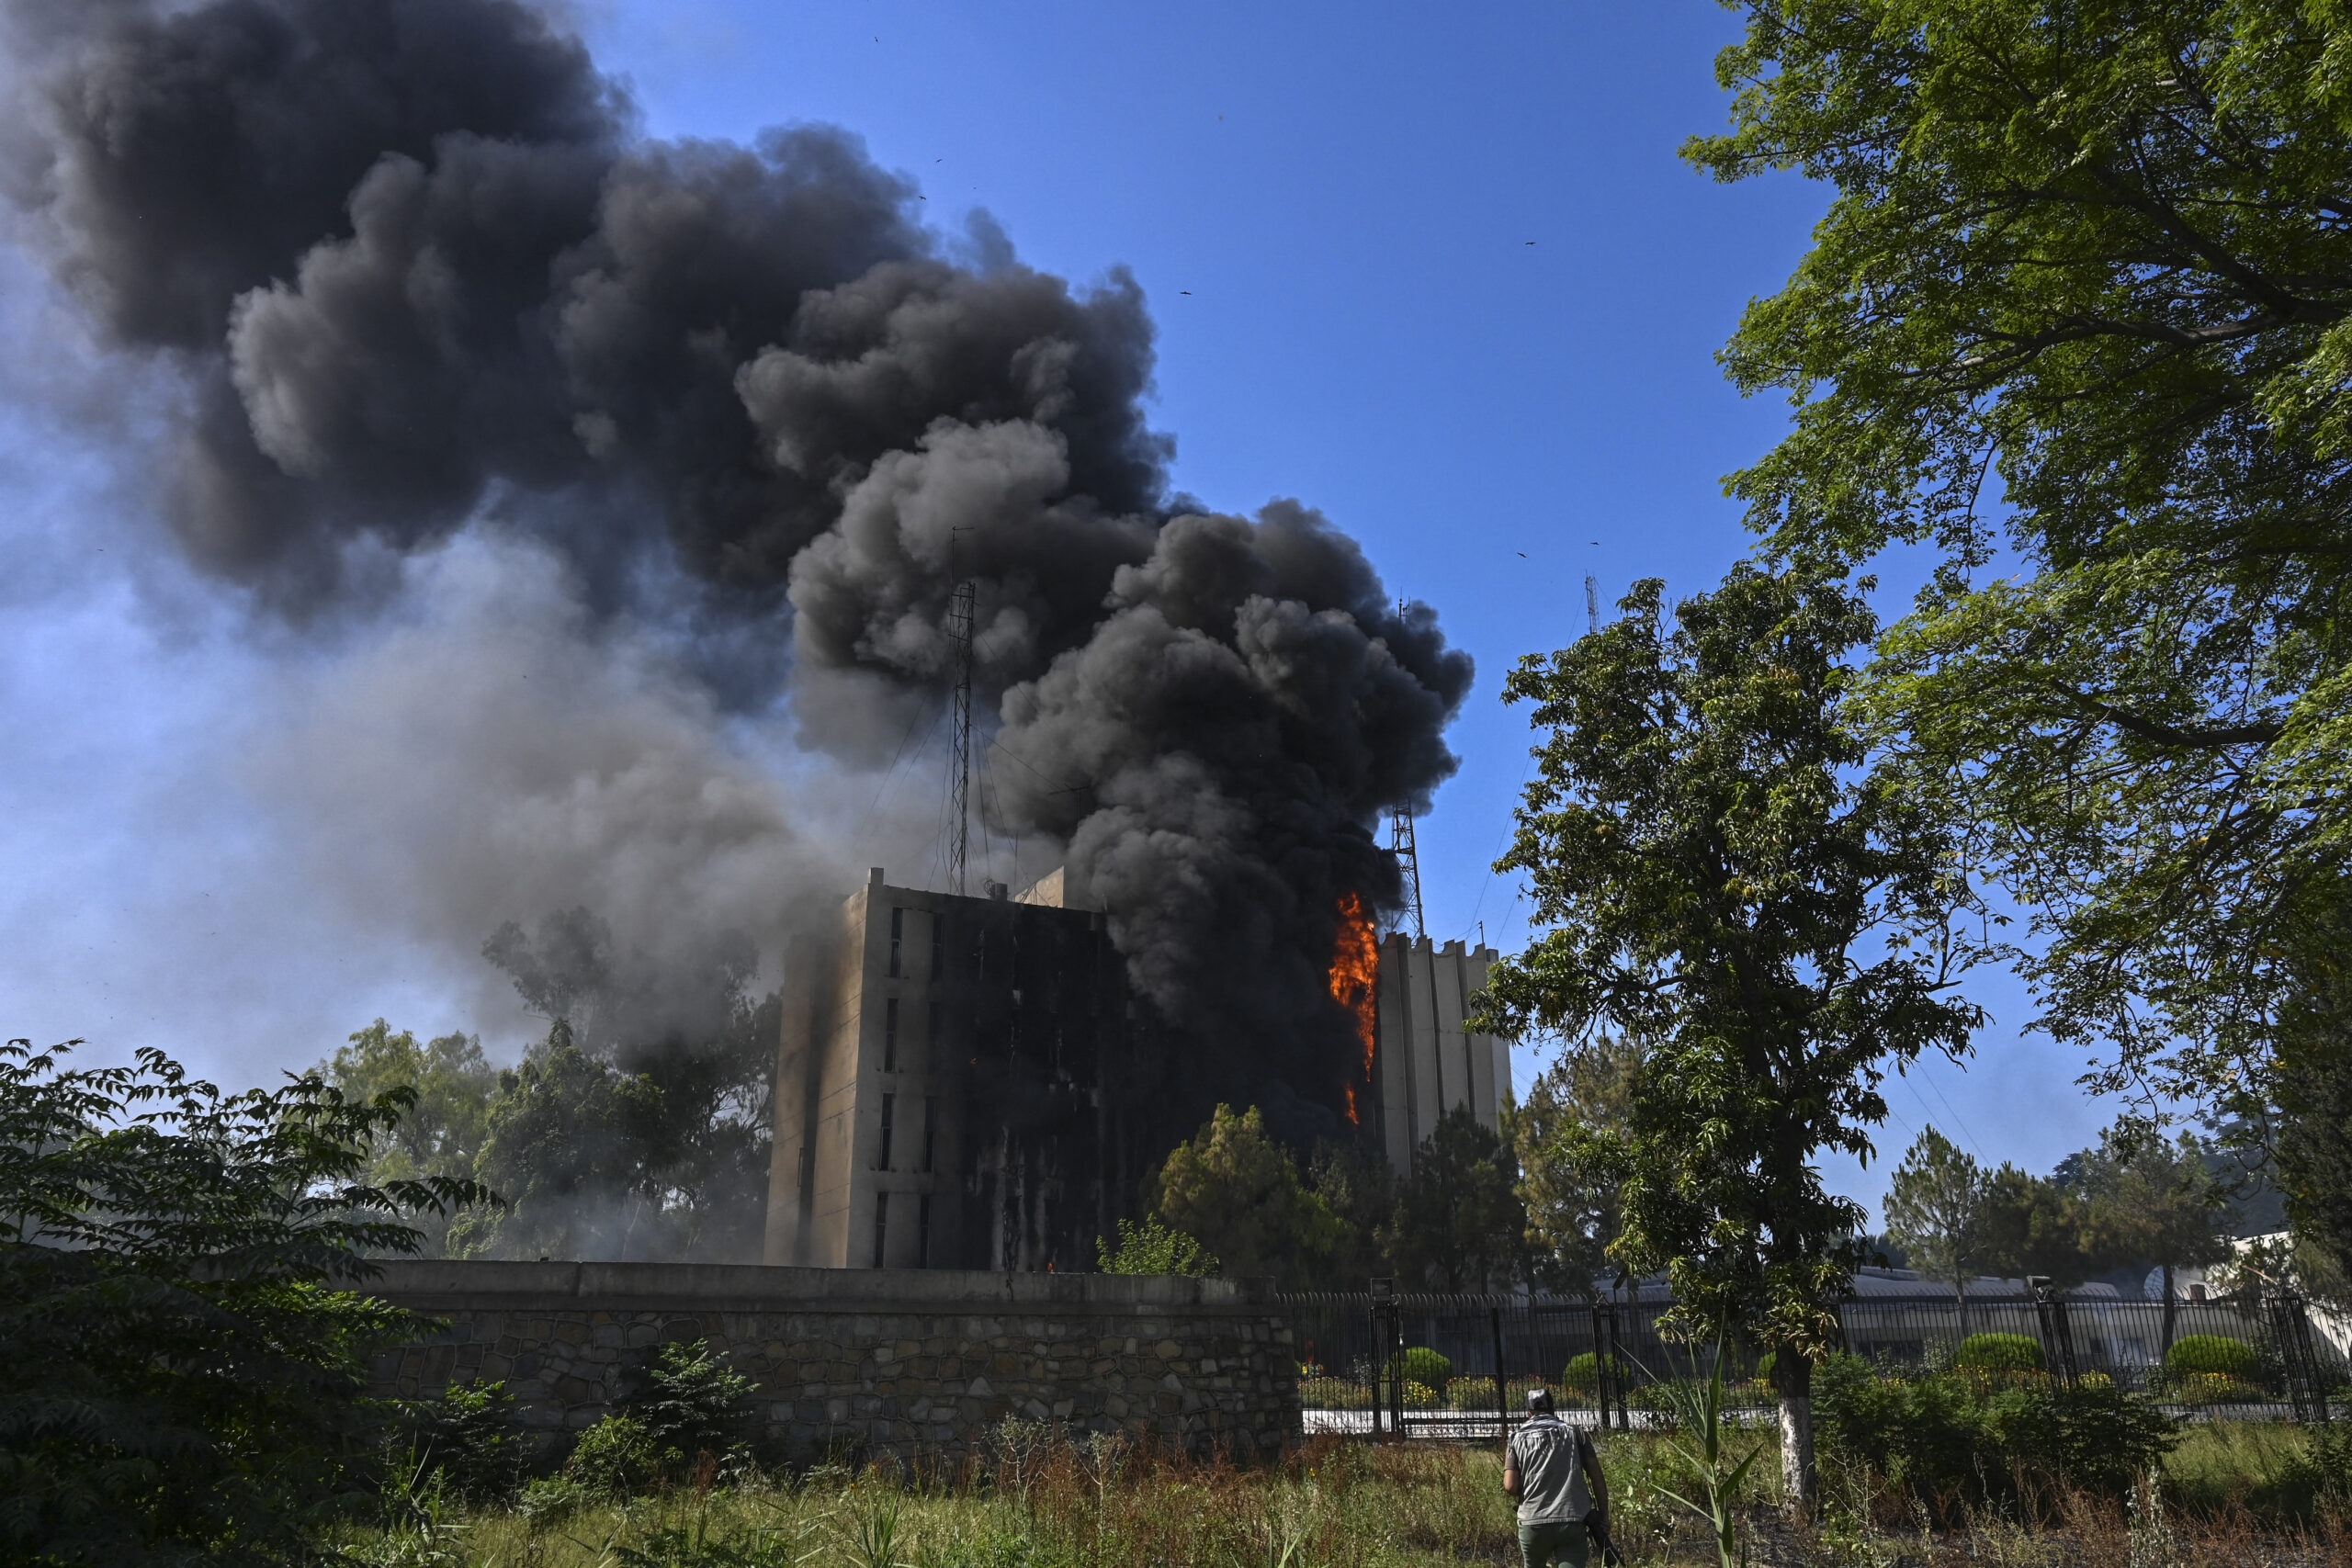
[2080,319]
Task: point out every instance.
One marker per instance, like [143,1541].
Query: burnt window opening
[881,1225]
[923,1231]
[897,930]
[882,1158]
[890,1036]
[930,1128]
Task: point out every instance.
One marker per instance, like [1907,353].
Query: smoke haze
[649,470]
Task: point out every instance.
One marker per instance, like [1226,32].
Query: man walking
[1545,1468]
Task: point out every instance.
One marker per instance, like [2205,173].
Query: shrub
[1582,1374]
[188,1363]
[1955,1435]
[1419,1395]
[2000,1353]
[1333,1393]
[692,1402]
[1422,1365]
[2216,1355]
[618,1458]
[2210,1388]
[1471,1394]
[466,1439]
[1153,1247]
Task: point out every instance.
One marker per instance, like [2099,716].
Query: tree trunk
[1792,1377]
[2171,1312]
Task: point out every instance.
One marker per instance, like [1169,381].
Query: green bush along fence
[1436,1364]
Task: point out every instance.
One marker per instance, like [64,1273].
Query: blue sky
[1436,271]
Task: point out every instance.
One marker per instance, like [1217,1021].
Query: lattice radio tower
[1408,860]
[1409,867]
[959,762]
[1591,603]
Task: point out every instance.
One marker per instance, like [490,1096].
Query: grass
[2230,1495]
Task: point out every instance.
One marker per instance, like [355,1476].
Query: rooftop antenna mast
[1408,860]
[959,763]
[1592,605]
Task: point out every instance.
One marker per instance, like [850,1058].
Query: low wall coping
[428,1284]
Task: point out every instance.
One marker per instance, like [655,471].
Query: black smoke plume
[419,271]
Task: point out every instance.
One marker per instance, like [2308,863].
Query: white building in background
[1424,1062]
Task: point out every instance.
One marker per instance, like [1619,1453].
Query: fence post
[1384,1374]
[2055,1328]
[2290,1329]
[1599,1362]
[1502,1399]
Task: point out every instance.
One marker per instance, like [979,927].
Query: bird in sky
[1521,554]
[1183,291]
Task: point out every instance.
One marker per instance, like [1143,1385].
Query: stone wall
[873,1361]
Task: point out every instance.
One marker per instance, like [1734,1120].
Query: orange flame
[1355,978]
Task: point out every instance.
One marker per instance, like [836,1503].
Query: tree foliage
[442,1131]
[2149,1201]
[1459,1224]
[1571,1216]
[186,1360]
[2031,1226]
[1238,1192]
[1719,880]
[1934,1209]
[640,1125]
[2083,297]
[1149,1247]
[1717,874]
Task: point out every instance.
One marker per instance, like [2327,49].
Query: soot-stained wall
[899,1362]
[962,1083]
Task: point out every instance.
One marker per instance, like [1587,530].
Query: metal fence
[1429,1364]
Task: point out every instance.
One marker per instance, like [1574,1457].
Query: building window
[883,1161]
[938,945]
[897,930]
[930,1125]
[890,1036]
[881,1225]
[922,1231]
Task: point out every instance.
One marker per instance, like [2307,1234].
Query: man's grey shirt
[1551,1481]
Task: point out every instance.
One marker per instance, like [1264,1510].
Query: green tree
[1238,1192]
[576,1150]
[1458,1222]
[1356,1183]
[2082,305]
[2312,1086]
[1721,878]
[2029,1225]
[1572,1218]
[1934,1212]
[188,1360]
[666,1117]
[2150,1201]
[1148,1247]
[442,1132]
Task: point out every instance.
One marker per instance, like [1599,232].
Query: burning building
[969,1083]
[1424,1062]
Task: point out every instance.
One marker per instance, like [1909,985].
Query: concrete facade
[1424,1062]
[895,1363]
[942,1086]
